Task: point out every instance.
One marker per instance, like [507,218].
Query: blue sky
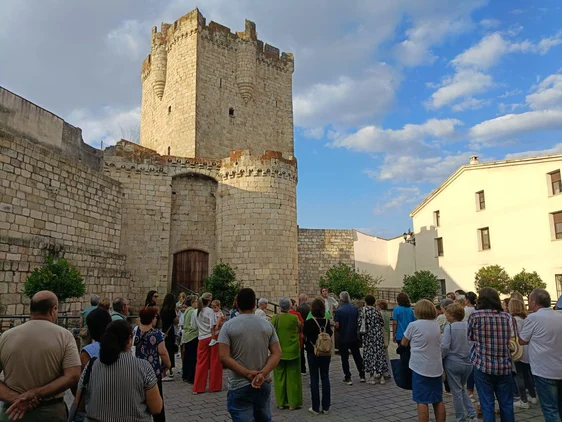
[390,97]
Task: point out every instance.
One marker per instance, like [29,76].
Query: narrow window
[439,246]
[169,109]
[231,112]
[480,200]
[557,217]
[220,82]
[443,285]
[555,182]
[558,279]
[436,218]
[485,239]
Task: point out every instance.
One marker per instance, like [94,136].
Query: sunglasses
[155,296]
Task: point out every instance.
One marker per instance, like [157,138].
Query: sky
[390,97]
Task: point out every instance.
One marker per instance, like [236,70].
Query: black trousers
[352,347]
[303,363]
[161,417]
[190,360]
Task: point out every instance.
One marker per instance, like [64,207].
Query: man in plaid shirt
[489,328]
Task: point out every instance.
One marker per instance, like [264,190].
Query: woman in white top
[523,378]
[208,361]
[424,338]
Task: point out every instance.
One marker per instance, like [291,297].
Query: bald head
[303,298]
[43,302]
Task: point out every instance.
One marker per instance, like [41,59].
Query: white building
[507,213]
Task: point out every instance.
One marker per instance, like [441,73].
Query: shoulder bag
[515,348]
[76,412]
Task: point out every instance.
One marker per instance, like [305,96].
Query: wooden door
[190,269]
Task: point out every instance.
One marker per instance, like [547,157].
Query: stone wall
[52,205]
[207,91]
[319,250]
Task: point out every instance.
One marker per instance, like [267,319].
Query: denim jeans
[457,375]
[524,381]
[550,395]
[249,404]
[500,387]
[319,367]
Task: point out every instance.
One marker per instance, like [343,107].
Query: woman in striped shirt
[121,388]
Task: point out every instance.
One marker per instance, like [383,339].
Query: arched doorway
[190,269]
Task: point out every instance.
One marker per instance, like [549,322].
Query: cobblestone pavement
[359,402]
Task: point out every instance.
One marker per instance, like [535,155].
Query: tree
[222,283]
[343,277]
[525,282]
[493,276]
[421,285]
[57,276]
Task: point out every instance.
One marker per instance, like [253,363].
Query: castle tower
[207,91]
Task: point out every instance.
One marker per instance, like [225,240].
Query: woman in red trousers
[208,362]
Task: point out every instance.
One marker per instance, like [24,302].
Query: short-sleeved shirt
[204,321]
[35,354]
[425,345]
[117,392]
[249,337]
[346,316]
[403,315]
[146,347]
[490,331]
[85,314]
[92,349]
[543,331]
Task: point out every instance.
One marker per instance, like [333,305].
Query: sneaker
[521,404]
[325,412]
[383,381]
[212,343]
[371,380]
[534,400]
[314,412]
[362,379]
[347,381]
[167,378]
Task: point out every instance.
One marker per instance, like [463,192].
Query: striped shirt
[116,393]
[490,331]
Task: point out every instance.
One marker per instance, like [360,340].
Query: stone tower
[215,176]
[207,91]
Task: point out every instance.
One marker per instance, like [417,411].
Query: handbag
[363,329]
[401,368]
[515,348]
[76,412]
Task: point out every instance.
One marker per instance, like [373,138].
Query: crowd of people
[476,347]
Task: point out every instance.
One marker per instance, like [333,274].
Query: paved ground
[359,402]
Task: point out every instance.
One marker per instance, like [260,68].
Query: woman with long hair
[287,376]
[169,320]
[150,346]
[151,298]
[208,361]
[97,322]
[523,378]
[120,386]
[489,328]
[374,356]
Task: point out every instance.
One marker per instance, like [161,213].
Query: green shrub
[421,285]
[57,276]
[222,284]
[343,277]
[493,276]
[525,282]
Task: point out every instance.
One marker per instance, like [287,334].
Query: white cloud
[462,85]
[556,149]
[410,137]
[510,126]
[416,169]
[314,133]
[107,127]
[470,104]
[547,95]
[347,101]
[129,39]
[398,197]
[488,52]
[490,23]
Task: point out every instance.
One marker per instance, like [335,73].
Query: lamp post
[410,238]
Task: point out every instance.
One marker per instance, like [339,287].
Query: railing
[70,322]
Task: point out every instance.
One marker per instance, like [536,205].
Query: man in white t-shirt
[262,306]
[542,331]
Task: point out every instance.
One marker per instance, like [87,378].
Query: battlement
[194,22]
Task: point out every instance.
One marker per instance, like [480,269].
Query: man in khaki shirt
[40,362]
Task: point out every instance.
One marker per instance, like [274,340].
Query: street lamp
[409,238]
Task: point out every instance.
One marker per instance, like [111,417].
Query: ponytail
[203,302]
[114,341]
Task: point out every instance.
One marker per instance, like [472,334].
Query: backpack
[323,345]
